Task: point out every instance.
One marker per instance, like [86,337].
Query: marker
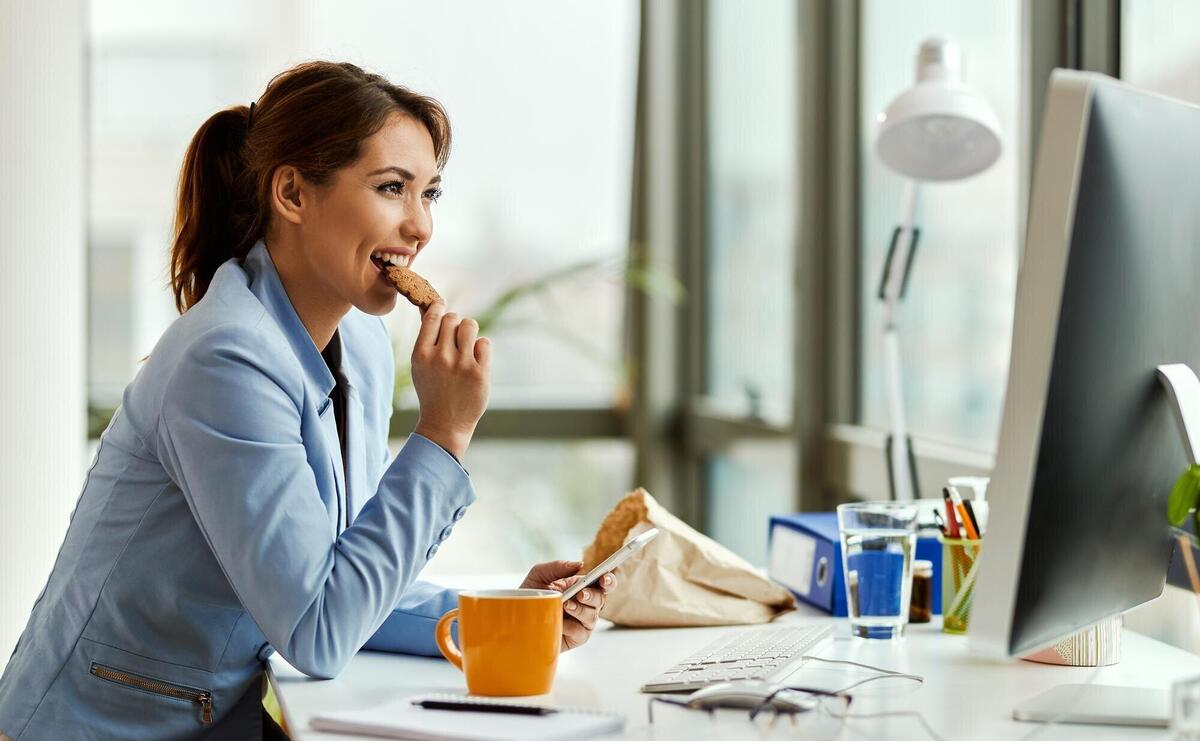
[951,518]
[971,514]
[972,533]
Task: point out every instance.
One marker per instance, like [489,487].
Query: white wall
[1172,618]
[42,294]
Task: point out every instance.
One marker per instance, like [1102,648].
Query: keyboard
[767,654]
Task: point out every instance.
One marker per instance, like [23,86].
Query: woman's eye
[395,187]
[433,194]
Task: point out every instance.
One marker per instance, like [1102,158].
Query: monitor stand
[1125,706]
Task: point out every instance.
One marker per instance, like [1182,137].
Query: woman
[241,501]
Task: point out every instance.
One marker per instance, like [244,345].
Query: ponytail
[216,212]
[314,117]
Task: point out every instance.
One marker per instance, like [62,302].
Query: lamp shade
[938,129]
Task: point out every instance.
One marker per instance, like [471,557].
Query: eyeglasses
[814,713]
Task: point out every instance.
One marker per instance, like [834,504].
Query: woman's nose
[417,225]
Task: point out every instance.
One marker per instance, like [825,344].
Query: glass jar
[920,607]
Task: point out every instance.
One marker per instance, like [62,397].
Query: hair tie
[250,116]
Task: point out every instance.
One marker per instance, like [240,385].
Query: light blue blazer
[207,534]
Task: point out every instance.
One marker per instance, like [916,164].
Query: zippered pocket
[203,698]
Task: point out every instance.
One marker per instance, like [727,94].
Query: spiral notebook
[403,719]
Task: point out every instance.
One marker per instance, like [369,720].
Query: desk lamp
[937,130]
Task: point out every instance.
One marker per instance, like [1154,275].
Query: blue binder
[804,555]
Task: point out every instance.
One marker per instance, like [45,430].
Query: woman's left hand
[582,610]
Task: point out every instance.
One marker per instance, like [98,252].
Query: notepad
[402,719]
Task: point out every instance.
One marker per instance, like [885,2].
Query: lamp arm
[892,285]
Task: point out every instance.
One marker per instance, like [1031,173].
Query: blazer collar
[266,285]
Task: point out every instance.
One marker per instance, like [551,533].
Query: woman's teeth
[392,258]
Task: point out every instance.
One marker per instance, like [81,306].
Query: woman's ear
[288,194]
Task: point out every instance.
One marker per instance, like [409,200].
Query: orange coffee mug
[510,640]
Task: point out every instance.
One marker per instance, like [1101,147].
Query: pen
[941,523]
[971,514]
[972,533]
[484,707]
[951,518]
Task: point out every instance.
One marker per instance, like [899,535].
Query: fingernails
[572,606]
[607,580]
[585,595]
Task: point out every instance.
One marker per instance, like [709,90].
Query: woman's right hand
[450,367]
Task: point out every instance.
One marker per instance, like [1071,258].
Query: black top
[333,358]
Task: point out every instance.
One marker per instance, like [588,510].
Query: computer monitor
[1108,290]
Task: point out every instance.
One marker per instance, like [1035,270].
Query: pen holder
[960,566]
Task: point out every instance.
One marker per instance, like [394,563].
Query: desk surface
[962,697]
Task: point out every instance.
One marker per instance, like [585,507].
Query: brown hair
[314,117]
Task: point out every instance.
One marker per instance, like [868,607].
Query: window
[750,199]
[750,481]
[955,321]
[541,97]
[537,501]
[750,194]
[1160,46]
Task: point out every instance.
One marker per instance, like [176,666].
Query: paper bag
[681,578]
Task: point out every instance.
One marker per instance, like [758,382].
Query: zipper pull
[205,700]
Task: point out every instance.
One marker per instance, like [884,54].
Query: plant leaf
[1183,496]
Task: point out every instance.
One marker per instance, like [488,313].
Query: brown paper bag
[682,577]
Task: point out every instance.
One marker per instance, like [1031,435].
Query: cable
[883,673]
[896,714]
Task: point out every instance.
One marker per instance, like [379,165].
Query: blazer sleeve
[229,436]
[409,629]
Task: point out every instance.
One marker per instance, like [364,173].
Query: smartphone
[611,562]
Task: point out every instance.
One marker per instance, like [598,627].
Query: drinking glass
[878,543]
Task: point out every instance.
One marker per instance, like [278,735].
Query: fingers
[483,352]
[554,570]
[445,338]
[453,335]
[590,597]
[468,330]
[583,610]
[575,633]
[585,606]
[552,575]
[431,322]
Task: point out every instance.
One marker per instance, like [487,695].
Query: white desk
[962,697]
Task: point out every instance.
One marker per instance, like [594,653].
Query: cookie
[411,286]
[629,512]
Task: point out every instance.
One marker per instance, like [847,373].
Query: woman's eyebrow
[403,173]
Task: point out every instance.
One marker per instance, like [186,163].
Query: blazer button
[445,533]
[265,651]
[433,549]
[458,513]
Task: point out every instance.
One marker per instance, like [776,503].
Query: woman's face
[379,205]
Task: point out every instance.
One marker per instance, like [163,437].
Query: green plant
[635,271]
[1185,495]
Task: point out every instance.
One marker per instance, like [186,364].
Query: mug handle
[445,641]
